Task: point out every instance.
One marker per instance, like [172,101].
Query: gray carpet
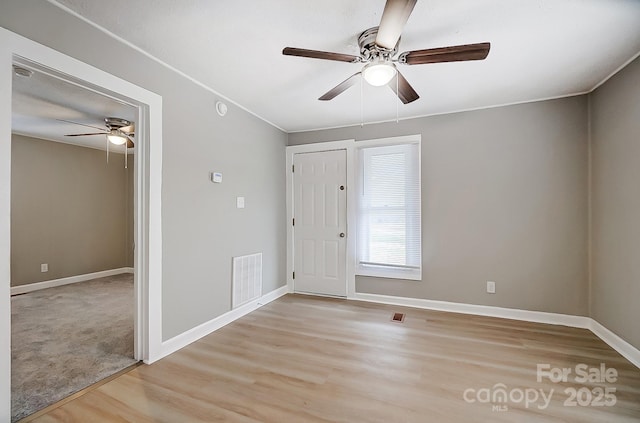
[64,339]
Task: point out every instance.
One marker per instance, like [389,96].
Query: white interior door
[320,216]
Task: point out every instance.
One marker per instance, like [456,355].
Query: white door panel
[320,212]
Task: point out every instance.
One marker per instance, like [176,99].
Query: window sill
[390,273]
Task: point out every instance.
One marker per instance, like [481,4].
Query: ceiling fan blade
[341,87]
[395,16]
[129,130]
[460,53]
[129,143]
[81,124]
[84,135]
[405,91]
[316,54]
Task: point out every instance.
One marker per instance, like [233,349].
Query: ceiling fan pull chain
[397,97]
[361,102]
[126,152]
[107,149]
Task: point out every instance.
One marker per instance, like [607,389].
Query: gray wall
[69,209]
[615,204]
[202,229]
[504,198]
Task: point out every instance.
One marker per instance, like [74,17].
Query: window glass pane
[387,237]
[386,180]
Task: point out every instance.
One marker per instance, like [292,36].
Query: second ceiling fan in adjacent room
[117,131]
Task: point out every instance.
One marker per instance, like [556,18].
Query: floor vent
[397,317]
[247,279]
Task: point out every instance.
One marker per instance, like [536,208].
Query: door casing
[348,146]
[148,254]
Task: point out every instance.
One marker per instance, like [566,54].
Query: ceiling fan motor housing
[116,123]
[369,50]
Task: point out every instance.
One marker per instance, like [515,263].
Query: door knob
[342,235]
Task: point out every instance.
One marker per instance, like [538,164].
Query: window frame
[383,270]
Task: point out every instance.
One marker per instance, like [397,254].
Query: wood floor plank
[311,359]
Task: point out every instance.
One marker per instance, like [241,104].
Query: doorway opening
[72,238]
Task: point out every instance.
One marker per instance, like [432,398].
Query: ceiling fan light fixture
[117,138]
[379,72]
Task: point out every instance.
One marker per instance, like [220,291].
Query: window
[388,242]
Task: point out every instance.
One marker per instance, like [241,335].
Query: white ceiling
[539,49]
[39,101]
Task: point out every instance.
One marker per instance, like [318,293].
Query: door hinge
[293,168]
[294,221]
[294,275]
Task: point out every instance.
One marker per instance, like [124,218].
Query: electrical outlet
[491,287]
[44,267]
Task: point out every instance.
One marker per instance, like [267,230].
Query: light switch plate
[240,202]
[216,177]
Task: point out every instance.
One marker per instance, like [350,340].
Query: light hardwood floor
[310,359]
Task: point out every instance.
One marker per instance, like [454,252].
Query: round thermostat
[221,108]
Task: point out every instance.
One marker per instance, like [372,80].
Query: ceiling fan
[118,131]
[379,45]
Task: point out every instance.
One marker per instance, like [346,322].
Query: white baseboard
[480,310]
[180,341]
[22,289]
[625,349]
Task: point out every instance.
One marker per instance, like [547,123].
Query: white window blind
[388,243]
